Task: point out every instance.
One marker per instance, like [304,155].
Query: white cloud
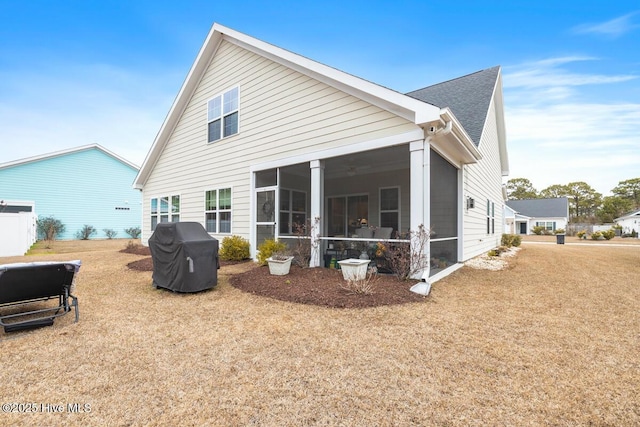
[555,137]
[547,75]
[613,28]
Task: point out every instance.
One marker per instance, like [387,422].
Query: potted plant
[354,268]
[279,263]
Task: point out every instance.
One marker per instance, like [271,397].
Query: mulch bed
[315,286]
[322,286]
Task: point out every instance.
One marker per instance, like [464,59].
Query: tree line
[585,203]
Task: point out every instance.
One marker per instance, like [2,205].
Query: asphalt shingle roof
[541,208]
[468,97]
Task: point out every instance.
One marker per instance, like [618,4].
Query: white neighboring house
[551,213]
[629,222]
[17,227]
[260,139]
[513,221]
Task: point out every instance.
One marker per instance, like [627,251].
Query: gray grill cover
[185,257]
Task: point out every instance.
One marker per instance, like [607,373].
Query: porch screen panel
[443,254]
[444,198]
[267,178]
[390,209]
[336,208]
[264,232]
[357,210]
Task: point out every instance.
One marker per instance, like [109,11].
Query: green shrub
[268,248]
[510,240]
[110,233]
[538,229]
[609,234]
[581,234]
[134,232]
[86,232]
[48,227]
[559,231]
[596,235]
[234,248]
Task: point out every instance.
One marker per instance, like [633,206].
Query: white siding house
[551,213]
[630,223]
[260,139]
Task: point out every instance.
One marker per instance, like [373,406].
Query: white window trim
[222,115]
[218,211]
[169,213]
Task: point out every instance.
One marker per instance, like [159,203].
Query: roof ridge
[454,79]
[66,151]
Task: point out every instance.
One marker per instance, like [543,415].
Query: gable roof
[411,108]
[65,152]
[541,208]
[633,214]
[468,97]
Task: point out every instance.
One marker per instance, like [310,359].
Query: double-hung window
[165,209]
[491,217]
[223,114]
[217,206]
[547,225]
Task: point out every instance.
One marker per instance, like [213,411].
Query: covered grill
[185,257]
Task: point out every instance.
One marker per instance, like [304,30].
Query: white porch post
[417,184]
[317,207]
[421,193]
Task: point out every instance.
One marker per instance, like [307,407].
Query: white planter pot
[279,267]
[354,269]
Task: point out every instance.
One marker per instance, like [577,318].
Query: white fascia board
[67,151]
[411,109]
[502,133]
[461,135]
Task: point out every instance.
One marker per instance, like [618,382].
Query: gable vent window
[223,115]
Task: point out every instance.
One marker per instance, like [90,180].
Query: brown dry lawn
[552,340]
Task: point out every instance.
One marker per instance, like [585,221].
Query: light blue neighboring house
[87,185]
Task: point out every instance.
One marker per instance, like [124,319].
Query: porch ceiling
[362,163]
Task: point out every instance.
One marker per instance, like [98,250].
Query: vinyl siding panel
[282,113]
[78,188]
[483,181]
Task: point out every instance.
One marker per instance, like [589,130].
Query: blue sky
[79,72]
